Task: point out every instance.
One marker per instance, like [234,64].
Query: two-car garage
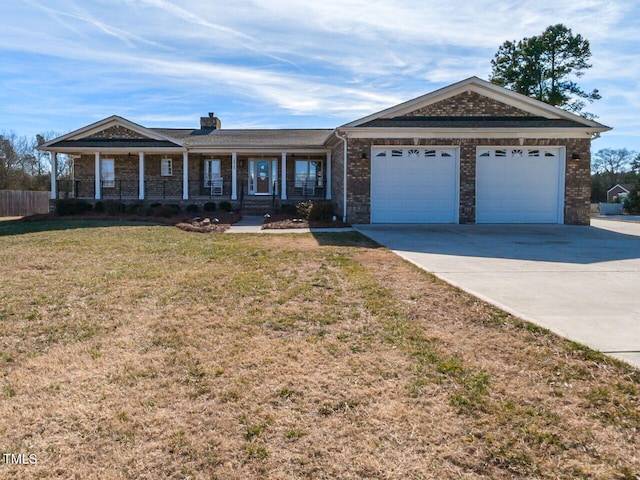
[422,184]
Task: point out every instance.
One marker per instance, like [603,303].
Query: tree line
[22,167]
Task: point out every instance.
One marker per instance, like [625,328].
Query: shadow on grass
[21,227]
[344,239]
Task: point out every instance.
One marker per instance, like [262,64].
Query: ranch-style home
[472,152]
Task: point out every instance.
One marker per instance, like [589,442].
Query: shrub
[321,210]
[303,209]
[165,211]
[155,205]
[113,207]
[193,208]
[209,207]
[289,209]
[134,208]
[99,207]
[226,206]
[632,202]
[71,206]
[316,210]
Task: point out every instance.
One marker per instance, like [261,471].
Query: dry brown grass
[148,352]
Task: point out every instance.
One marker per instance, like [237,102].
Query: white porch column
[54,175]
[327,177]
[98,185]
[141,176]
[234,176]
[185,176]
[283,177]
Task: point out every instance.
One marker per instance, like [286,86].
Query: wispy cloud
[311,63]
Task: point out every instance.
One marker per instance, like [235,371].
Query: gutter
[344,173]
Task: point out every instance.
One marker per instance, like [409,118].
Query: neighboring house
[472,152]
[618,192]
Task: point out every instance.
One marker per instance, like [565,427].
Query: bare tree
[612,163]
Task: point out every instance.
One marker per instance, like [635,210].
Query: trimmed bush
[289,209]
[209,207]
[113,207]
[134,208]
[321,210]
[193,208]
[155,205]
[316,210]
[98,207]
[226,206]
[175,207]
[166,211]
[72,206]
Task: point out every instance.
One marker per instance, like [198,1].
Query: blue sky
[285,63]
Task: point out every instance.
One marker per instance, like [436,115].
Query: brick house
[472,152]
[618,192]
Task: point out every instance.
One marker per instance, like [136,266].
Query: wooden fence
[19,203]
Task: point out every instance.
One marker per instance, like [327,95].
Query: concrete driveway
[582,283]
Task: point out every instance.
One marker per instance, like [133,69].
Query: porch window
[166,167]
[211,172]
[308,174]
[108,172]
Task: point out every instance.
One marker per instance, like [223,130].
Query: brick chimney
[211,122]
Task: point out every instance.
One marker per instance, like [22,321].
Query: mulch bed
[209,224]
[282,221]
[218,222]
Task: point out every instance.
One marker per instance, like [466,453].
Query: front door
[260,177]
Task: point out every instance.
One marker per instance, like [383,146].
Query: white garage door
[520,185]
[414,185]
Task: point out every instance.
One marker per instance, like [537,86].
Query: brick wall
[577,178]
[469,104]
[156,185]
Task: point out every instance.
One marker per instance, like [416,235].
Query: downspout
[344,173]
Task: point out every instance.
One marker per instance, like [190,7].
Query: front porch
[234,177]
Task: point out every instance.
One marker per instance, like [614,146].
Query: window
[308,173]
[166,167]
[211,172]
[108,172]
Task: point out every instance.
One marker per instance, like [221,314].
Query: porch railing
[173,189]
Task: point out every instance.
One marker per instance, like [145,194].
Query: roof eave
[379,132]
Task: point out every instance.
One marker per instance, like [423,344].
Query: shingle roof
[114,143]
[471,122]
[247,138]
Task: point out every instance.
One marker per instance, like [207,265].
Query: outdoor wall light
[575,156]
[363,155]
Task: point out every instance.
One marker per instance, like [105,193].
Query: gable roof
[474,84]
[627,187]
[78,138]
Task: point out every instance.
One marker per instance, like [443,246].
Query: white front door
[260,176]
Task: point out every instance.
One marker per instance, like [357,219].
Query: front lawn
[136,351]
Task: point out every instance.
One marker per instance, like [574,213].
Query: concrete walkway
[580,282]
[253,224]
